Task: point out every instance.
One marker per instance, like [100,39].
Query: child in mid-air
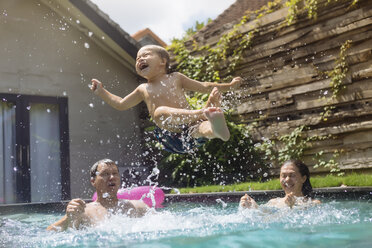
[179,128]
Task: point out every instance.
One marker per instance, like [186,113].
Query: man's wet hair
[162,52]
[94,168]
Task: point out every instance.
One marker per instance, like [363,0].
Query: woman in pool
[295,181]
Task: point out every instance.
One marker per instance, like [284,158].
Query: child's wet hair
[162,52]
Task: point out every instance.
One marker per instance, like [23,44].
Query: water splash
[223,204]
[341,223]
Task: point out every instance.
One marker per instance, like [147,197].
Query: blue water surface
[331,224]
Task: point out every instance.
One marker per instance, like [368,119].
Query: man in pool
[179,128]
[106,180]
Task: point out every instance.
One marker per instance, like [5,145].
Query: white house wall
[41,54]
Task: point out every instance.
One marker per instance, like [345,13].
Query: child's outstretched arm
[206,87]
[115,101]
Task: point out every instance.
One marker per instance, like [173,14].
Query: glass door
[8,166]
[34,150]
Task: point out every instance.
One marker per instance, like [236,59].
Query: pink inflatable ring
[147,193]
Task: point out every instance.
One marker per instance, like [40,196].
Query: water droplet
[91,105]
[90,34]
[221,202]
[155,171]
[28,107]
[48,110]
[86,45]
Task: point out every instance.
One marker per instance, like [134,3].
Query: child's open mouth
[143,66]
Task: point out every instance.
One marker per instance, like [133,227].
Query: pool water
[331,224]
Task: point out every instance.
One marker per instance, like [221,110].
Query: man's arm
[206,87]
[137,208]
[60,225]
[115,101]
[73,218]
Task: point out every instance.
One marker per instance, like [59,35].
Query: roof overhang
[98,27]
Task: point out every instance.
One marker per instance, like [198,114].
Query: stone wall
[285,82]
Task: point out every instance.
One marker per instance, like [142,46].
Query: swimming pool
[336,223]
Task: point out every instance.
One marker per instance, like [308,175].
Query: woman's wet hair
[94,168]
[307,189]
[162,52]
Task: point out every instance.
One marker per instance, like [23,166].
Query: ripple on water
[203,226]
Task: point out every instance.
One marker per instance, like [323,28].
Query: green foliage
[274,184]
[206,66]
[332,164]
[292,11]
[217,162]
[198,25]
[312,7]
[337,75]
[297,7]
[239,159]
[309,7]
[293,146]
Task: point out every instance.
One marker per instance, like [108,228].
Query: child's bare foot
[218,123]
[214,99]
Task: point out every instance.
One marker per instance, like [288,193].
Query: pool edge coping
[364,193]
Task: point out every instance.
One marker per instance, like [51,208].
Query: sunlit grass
[316,182]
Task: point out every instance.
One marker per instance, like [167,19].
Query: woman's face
[291,179]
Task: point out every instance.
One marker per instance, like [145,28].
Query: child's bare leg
[214,99]
[171,118]
[214,127]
